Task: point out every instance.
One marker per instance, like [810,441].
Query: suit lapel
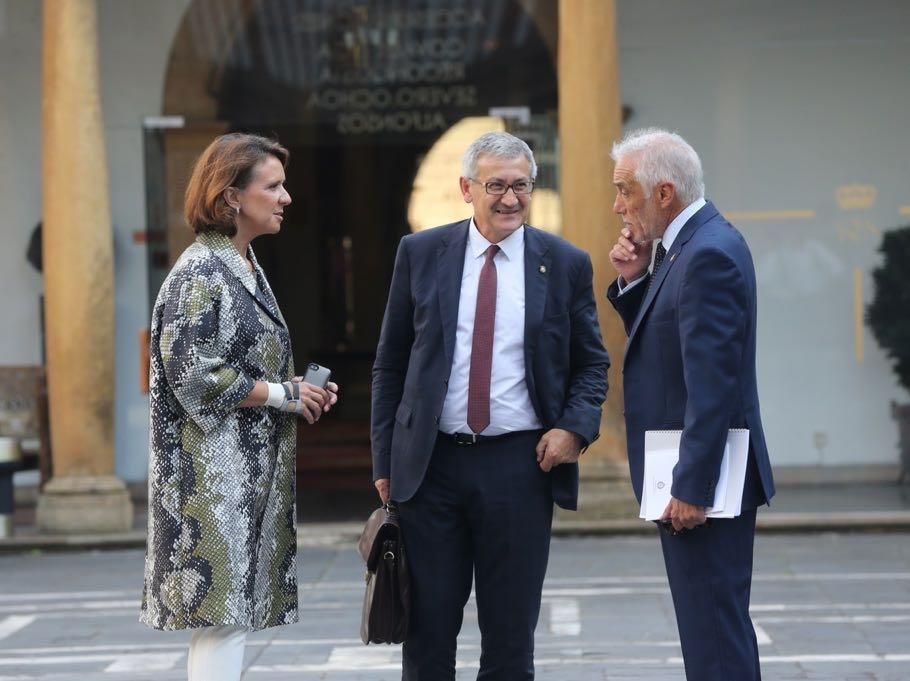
[669,258]
[266,300]
[537,278]
[703,215]
[224,249]
[264,294]
[449,269]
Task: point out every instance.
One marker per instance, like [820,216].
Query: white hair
[500,145]
[663,156]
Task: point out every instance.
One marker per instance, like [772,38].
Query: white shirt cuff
[626,287]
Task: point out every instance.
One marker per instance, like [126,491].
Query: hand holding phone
[317,375]
[320,377]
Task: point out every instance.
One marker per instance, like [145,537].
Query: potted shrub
[888,316]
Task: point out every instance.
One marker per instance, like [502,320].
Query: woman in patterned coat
[224,402]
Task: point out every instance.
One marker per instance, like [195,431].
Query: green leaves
[888,315]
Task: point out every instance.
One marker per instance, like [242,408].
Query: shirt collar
[675,227]
[511,246]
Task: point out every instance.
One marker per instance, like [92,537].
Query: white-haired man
[488,381]
[690,366]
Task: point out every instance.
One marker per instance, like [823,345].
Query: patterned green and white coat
[222,523]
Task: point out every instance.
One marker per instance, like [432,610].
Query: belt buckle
[465,439]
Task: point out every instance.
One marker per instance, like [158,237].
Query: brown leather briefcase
[386,603]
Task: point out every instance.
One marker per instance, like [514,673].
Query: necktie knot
[491,252]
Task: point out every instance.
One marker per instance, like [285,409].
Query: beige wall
[20,178]
[134,41]
[789,103]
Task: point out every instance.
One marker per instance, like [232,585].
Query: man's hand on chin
[684,516]
[558,446]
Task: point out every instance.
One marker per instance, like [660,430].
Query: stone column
[83,494]
[589,121]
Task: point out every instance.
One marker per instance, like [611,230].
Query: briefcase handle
[386,516]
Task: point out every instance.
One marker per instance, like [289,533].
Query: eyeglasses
[498,188]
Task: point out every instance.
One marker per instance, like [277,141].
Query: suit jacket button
[437,419]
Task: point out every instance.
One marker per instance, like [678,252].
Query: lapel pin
[543,269]
[673,257]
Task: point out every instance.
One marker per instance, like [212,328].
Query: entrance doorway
[359,92]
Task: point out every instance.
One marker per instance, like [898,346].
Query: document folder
[662,454]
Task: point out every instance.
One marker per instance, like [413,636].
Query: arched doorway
[359,92]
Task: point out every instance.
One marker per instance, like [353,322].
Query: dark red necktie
[482,345]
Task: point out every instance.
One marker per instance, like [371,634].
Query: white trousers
[216,654]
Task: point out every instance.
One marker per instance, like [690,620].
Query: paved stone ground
[826,606]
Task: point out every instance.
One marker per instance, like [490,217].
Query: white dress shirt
[670,234]
[510,404]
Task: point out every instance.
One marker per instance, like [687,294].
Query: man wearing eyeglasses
[488,381]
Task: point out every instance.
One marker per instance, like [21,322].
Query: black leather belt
[468,439]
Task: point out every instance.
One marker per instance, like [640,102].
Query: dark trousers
[481,511]
[710,573]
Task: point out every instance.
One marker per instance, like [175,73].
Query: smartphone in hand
[317,375]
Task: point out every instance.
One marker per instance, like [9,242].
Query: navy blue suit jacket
[565,360]
[690,359]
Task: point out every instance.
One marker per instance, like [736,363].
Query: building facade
[797,110]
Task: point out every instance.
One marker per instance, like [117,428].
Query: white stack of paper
[661,455]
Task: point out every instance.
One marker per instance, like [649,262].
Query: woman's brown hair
[227,162]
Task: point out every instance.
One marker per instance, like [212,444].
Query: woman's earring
[237,208]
